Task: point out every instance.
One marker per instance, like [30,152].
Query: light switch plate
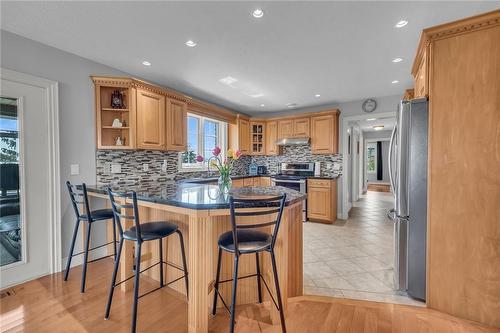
[336,166]
[145,167]
[116,168]
[75,169]
[164,166]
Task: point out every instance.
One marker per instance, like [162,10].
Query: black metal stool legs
[217,278]
[113,279]
[184,262]
[85,258]
[160,245]
[71,250]
[278,291]
[136,285]
[258,276]
[235,285]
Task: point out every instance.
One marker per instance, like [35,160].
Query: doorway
[29,186]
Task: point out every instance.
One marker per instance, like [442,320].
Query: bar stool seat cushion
[152,230]
[249,241]
[99,215]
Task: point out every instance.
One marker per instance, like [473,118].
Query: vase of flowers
[224,165]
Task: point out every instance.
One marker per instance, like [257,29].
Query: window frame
[221,142]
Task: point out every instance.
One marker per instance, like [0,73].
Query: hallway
[354,258]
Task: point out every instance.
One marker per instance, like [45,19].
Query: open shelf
[114,110]
[116,128]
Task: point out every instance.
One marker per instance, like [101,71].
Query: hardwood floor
[379,187]
[51,305]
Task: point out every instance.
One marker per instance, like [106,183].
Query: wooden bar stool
[78,196]
[139,234]
[245,239]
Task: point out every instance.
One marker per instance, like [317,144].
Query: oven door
[297,185]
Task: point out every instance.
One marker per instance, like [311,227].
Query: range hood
[292,141]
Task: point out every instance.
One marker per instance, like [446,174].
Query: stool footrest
[94,248]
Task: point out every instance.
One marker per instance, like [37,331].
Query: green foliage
[9,154]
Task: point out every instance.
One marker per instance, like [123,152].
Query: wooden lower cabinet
[265,181]
[322,200]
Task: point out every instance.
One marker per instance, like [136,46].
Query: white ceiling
[341,50]
[367,125]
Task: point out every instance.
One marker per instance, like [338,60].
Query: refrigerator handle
[391,148]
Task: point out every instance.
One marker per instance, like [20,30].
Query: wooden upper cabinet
[285,128]
[257,137]
[324,130]
[239,135]
[244,136]
[151,122]
[420,74]
[176,125]
[301,127]
[271,137]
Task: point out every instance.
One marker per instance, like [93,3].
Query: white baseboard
[78,260]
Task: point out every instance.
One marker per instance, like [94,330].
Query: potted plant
[223,164]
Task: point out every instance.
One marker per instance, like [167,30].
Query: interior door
[24,195]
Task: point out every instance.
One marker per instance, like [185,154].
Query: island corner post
[201,229]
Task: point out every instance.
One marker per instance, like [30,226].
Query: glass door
[11,235]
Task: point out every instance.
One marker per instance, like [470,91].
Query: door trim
[52,97]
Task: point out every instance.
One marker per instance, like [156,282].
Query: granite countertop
[199,196]
[202,180]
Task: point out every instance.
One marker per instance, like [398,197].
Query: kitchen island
[202,213]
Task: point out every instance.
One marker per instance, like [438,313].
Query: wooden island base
[201,230]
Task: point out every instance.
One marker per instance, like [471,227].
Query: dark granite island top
[199,196]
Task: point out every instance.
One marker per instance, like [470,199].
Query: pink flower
[237,154]
[199,158]
[216,151]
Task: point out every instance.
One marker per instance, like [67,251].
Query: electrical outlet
[116,168]
[75,169]
[336,166]
[145,167]
[164,166]
[328,166]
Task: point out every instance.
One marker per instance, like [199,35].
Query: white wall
[76,111]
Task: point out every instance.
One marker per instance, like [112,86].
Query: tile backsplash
[301,153]
[132,161]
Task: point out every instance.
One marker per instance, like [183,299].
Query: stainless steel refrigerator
[408,157]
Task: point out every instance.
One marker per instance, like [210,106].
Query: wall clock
[369,105]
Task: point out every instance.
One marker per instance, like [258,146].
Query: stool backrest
[118,207]
[78,196]
[240,207]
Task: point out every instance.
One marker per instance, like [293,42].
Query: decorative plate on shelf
[369,105]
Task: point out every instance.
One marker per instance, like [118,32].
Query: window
[371,157]
[203,134]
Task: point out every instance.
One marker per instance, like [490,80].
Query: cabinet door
[319,203]
[285,129]
[324,134]
[244,136]
[248,181]
[301,127]
[151,122]
[176,125]
[257,138]
[237,183]
[421,78]
[265,181]
[271,137]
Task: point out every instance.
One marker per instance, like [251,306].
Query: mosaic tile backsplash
[163,167]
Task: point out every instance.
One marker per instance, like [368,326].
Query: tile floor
[354,258]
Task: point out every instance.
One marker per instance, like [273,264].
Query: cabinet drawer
[319,182]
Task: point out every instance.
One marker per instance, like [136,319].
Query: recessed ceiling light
[395,81]
[262,105]
[291,105]
[317,95]
[378,127]
[190,43]
[228,80]
[258,13]
[371,119]
[397,60]
[146,63]
[401,24]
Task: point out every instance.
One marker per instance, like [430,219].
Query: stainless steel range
[294,176]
